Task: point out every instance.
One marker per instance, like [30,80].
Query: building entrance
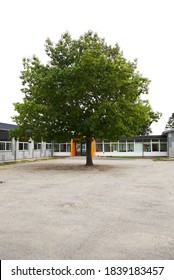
[81,149]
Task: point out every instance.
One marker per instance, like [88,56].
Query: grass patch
[7,162]
[27,160]
[163,159]
[127,157]
[140,157]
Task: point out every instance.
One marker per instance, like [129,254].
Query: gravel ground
[61,209]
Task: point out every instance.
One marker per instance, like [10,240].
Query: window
[8,146]
[130,147]
[99,147]
[48,146]
[107,147]
[5,146]
[114,147]
[2,146]
[122,147]
[23,146]
[147,147]
[163,147]
[154,140]
[155,147]
[138,140]
[68,147]
[56,147]
[146,140]
[37,146]
[62,147]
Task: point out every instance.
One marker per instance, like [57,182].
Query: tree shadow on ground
[72,167]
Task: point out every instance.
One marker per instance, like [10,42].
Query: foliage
[170,123]
[87,88]
[146,129]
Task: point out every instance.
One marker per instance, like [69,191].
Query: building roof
[150,136]
[168,130]
[6,126]
[144,137]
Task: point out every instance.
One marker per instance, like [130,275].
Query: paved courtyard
[60,209]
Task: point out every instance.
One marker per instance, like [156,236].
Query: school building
[138,146]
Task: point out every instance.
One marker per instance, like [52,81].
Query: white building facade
[138,146]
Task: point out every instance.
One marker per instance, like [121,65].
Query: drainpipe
[52,148]
[15,155]
[142,147]
[103,146]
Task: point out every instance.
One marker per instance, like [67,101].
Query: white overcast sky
[142,28]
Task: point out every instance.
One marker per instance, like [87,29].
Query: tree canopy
[170,123]
[86,89]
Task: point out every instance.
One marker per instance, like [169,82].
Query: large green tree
[86,89]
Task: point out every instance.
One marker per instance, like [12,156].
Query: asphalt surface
[61,209]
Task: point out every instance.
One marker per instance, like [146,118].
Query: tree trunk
[89,161]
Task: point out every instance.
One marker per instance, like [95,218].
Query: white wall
[132,154]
